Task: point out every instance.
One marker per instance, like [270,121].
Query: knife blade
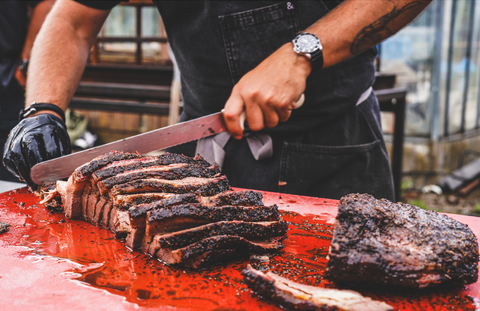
[143,143]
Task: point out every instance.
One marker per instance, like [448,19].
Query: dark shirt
[13,31]
[217,42]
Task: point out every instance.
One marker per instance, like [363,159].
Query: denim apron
[329,147]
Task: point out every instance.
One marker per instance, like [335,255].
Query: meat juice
[105,263]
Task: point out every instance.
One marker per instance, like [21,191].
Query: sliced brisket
[205,186]
[143,162]
[245,229]
[295,296]
[185,216]
[170,172]
[176,256]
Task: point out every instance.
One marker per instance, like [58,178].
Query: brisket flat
[170,172]
[143,162]
[186,216]
[83,172]
[295,296]
[205,186]
[125,201]
[240,198]
[380,242]
[245,229]
[176,256]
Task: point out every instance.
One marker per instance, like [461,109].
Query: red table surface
[48,262]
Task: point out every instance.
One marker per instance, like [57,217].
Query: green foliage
[476,208]
[421,204]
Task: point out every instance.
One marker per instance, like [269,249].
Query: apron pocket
[330,171]
[251,36]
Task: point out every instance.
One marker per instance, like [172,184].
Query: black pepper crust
[189,170]
[225,242]
[185,216]
[204,187]
[381,242]
[216,213]
[163,159]
[240,228]
[84,171]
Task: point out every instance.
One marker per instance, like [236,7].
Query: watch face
[307,43]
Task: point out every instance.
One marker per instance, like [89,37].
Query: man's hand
[269,92]
[33,140]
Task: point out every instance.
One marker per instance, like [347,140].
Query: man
[239,56]
[17,33]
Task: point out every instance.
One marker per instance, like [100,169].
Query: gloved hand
[33,140]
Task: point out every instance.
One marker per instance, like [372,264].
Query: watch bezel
[296,46]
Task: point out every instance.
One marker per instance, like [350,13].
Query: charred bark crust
[246,213]
[227,242]
[380,242]
[240,228]
[162,173]
[215,186]
[243,198]
[163,159]
[87,169]
[141,210]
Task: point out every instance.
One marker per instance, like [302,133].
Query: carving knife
[143,143]
[162,138]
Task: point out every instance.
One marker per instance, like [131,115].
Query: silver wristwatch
[309,45]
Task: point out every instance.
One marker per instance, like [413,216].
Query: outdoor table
[48,262]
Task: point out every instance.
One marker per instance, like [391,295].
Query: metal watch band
[35,107]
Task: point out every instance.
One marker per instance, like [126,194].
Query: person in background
[20,22]
[252,56]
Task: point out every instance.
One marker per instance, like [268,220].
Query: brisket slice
[380,242]
[84,171]
[160,160]
[205,186]
[243,198]
[71,194]
[212,258]
[295,296]
[177,256]
[185,216]
[241,228]
[138,213]
[170,172]
[125,201]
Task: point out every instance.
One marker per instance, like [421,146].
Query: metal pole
[467,64]
[449,68]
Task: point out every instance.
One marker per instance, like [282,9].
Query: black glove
[33,140]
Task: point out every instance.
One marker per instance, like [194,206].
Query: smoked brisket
[381,242]
[295,296]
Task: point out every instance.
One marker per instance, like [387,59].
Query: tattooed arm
[268,92]
[357,25]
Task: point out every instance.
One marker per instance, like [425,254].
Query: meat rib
[380,242]
[295,296]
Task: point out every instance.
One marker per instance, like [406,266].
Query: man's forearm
[356,25]
[38,17]
[60,53]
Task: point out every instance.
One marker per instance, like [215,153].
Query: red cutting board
[48,262]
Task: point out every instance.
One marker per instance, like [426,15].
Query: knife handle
[243,116]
